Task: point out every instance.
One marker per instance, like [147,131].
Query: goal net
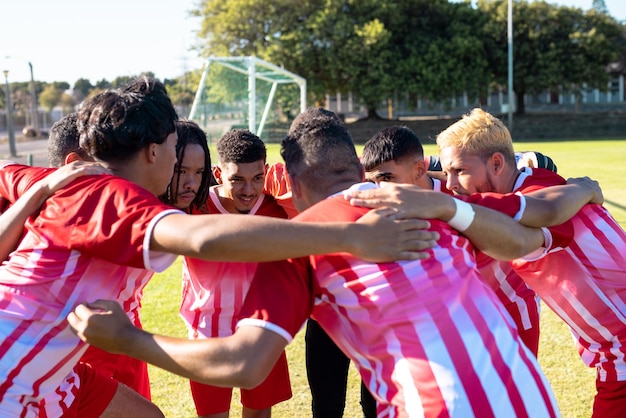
[249,93]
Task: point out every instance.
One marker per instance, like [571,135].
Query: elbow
[251,374]
[516,247]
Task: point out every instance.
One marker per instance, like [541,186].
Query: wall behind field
[530,127]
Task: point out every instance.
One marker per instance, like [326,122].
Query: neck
[226,202]
[508,181]
[312,197]
[425,182]
[133,171]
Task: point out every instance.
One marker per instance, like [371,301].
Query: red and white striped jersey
[214,291]
[89,241]
[277,185]
[582,277]
[517,297]
[429,337]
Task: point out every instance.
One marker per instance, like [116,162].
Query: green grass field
[572,382]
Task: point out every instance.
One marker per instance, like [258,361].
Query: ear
[496,163]
[420,168]
[362,170]
[71,157]
[217,173]
[152,152]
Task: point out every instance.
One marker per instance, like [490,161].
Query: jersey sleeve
[514,205]
[109,218]
[280,297]
[510,204]
[15,179]
[534,159]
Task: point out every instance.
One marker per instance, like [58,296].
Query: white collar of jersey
[524,174]
[356,187]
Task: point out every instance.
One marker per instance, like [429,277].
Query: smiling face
[242,184]
[188,175]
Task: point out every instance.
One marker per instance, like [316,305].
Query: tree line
[427,49]
[431,49]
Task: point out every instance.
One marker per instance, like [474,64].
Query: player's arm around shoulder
[501,237]
[557,204]
[492,232]
[241,360]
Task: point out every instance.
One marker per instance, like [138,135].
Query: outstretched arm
[12,220]
[241,360]
[557,204]
[490,231]
[375,237]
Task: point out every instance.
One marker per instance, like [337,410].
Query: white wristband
[463,217]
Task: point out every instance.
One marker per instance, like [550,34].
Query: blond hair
[479,133]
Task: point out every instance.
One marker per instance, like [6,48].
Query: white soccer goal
[246,92]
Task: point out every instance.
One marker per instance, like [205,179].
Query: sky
[65,40]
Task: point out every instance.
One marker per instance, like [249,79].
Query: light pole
[33,102]
[9,115]
[33,98]
[510,78]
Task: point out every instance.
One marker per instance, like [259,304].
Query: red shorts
[127,370]
[275,388]
[84,393]
[610,400]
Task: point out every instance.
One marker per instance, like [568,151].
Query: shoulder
[15,178]
[536,178]
[332,209]
[270,207]
[108,193]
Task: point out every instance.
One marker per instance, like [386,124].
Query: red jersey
[214,291]
[277,185]
[581,275]
[517,297]
[89,241]
[429,337]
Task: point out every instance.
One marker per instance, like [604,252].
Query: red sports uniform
[213,293]
[517,297]
[89,241]
[277,185]
[582,277]
[428,337]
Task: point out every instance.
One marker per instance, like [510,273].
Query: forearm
[227,362]
[13,219]
[248,238]
[500,237]
[374,237]
[555,205]
[243,359]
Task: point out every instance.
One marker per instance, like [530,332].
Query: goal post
[246,92]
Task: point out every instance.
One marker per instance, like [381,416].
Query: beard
[486,186]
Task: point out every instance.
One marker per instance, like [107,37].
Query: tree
[600,6]
[51,95]
[103,84]
[182,90]
[82,88]
[554,47]
[369,47]
[67,103]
